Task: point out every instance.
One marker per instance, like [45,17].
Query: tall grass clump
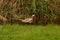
[46,11]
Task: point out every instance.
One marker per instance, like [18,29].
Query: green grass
[29,32]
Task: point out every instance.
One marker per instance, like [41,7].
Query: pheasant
[28,20]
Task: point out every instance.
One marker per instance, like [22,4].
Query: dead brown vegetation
[45,11]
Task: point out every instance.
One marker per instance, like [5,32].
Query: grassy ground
[29,32]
